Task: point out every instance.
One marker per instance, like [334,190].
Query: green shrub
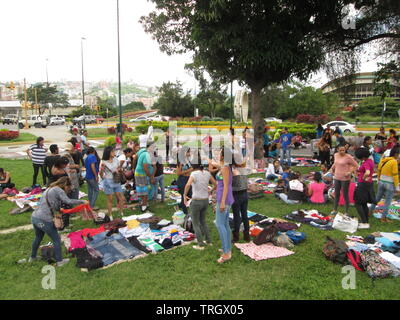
[110,142]
[126,138]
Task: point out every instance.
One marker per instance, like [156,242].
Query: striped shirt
[38,154]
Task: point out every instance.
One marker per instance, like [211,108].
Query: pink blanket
[262,252]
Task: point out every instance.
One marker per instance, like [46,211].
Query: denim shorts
[110,187]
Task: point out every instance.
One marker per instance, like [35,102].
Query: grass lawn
[23,137]
[185,273]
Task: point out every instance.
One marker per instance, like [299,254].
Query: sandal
[222,259]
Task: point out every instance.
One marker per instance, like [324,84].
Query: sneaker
[363,226]
[61,263]
[32,259]
[111,218]
[198,247]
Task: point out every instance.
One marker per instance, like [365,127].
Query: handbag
[57,218]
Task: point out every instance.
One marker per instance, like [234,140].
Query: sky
[36,30]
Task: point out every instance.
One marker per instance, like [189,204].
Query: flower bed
[8,135]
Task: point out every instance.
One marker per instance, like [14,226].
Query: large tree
[257,43]
[45,94]
[173,101]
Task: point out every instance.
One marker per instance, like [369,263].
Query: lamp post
[47,73]
[83,82]
[119,75]
[231,111]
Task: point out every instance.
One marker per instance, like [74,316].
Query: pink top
[367,165]
[342,165]
[317,192]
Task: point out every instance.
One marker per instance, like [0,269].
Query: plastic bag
[345,223]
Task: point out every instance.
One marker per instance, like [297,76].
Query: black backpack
[335,250]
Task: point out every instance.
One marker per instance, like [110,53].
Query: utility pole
[119,75]
[26,105]
[231,111]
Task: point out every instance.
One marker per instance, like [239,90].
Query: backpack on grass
[375,265]
[335,250]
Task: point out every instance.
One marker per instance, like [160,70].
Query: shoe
[333,213]
[111,218]
[235,236]
[209,244]
[61,263]
[363,226]
[96,208]
[198,247]
[223,259]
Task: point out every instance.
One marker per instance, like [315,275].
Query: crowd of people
[139,167]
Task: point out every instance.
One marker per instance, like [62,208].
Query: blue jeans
[93,191]
[41,228]
[286,154]
[387,191]
[152,195]
[224,230]
[284,198]
[160,183]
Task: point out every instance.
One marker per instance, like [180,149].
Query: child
[285,175]
[280,188]
[316,190]
[297,190]
[127,193]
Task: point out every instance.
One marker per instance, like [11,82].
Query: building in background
[360,87]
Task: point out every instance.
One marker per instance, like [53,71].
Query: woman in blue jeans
[224,202]
[42,217]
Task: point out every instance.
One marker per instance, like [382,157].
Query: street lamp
[47,74]
[119,75]
[83,82]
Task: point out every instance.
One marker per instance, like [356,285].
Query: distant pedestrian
[37,153]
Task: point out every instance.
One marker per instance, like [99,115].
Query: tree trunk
[257,122]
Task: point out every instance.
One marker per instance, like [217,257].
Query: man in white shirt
[84,145]
[143,140]
[150,132]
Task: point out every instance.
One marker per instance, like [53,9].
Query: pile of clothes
[257,187]
[272,238]
[26,200]
[378,254]
[305,162]
[394,210]
[123,239]
[313,218]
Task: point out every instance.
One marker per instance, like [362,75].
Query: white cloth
[143,140]
[135,232]
[110,168]
[391,236]
[390,257]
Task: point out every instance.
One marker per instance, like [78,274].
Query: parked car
[56,121]
[138,119]
[272,119]
[156,117]
[99,119]
[218,119]
[206,118]
[34,121]
[343,125]
[87,118]
[10,119]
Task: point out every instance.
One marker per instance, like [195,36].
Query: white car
[343,125]
[158,117]
[138,119]
[57,121]
[272,119]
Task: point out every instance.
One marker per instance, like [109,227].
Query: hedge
[163,125]
[8,135]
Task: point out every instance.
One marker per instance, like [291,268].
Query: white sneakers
[363,226]
[61,263]
[198,247]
